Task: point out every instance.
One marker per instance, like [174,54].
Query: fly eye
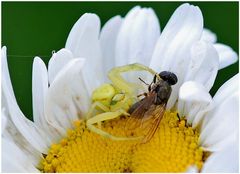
[170,77]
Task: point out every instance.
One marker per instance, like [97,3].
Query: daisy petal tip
[37,60]
[88,23]
[134,9]
[184,5]
[187,6]
[4,52]
[63,53]
[227,89]
[193,91]
[196,12]
[137,37]
[64,50]
[152,16]
[117,18]
[208,36]
[57,62]
[227,56]
[4,48]
[89,16]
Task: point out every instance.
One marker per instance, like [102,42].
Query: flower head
[188,135]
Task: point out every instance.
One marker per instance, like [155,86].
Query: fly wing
[135,119]
[152,125]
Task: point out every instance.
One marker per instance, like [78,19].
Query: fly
[148,112]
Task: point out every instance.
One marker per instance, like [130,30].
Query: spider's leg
[93,107]
[107,116]
[118,81]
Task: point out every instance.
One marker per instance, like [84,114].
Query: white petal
[193,91]
[83,41]
[123,37]
[87,27]
[108,39]
[194,102]
[39,90]
[221,125]
[224,161]
[172,52]
[14,159]
[208,36]
[3,120]
[67,97]
[203,65]
[227,55]
[12,134]
[33,135]
[224,92]
[5,71]
[144,34]
[228,88]
[137,37]
[57,62]
[28,129]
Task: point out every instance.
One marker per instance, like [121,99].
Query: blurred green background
[37,28]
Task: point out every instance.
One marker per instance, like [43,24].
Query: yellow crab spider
[114,99]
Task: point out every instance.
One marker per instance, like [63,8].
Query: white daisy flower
[204,138]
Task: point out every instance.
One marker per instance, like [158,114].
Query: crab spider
[114,99]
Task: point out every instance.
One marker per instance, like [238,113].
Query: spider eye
[170,77]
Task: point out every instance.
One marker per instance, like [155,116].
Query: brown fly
[148,112]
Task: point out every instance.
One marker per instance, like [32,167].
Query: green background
[37,28]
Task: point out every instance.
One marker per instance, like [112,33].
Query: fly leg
[143,94]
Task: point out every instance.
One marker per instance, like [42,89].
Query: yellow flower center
[173,148]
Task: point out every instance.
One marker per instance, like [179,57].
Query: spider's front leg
[107,116]
[93,107]
[115,76]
